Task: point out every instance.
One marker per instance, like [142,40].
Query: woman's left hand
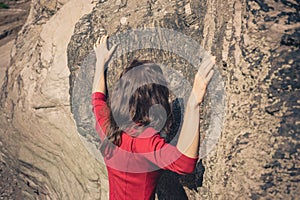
[103,54]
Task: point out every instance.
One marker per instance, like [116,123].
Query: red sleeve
[169,157]
[101,112]
[166,156]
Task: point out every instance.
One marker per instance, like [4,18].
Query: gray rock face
[257,48]
[124,20]
[257,156]
[252,55]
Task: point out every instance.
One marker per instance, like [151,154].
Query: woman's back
[135,166]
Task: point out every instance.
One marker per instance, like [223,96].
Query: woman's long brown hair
[133,103]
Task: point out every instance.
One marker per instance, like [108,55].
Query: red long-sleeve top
[136,165]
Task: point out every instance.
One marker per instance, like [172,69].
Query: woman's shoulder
[148,141]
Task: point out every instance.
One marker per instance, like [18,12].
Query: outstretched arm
[188,142]
[102,55]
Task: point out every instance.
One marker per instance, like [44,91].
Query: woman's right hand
[103,54]
[202,79]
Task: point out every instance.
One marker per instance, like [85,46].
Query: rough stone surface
[37,128]
[12,19]
[81,61]
[258,154]
[256,43]
[251,49]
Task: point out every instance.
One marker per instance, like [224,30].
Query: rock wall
[256,43]
[39,140]
[13,17]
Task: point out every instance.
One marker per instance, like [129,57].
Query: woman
[134,152]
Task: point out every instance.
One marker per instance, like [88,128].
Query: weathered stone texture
[257,46]
[256,43]
[258,154]
[37,128]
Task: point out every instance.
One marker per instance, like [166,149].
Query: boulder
[48,143]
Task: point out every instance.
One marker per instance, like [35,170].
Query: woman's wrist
[192,102]
[100,64]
